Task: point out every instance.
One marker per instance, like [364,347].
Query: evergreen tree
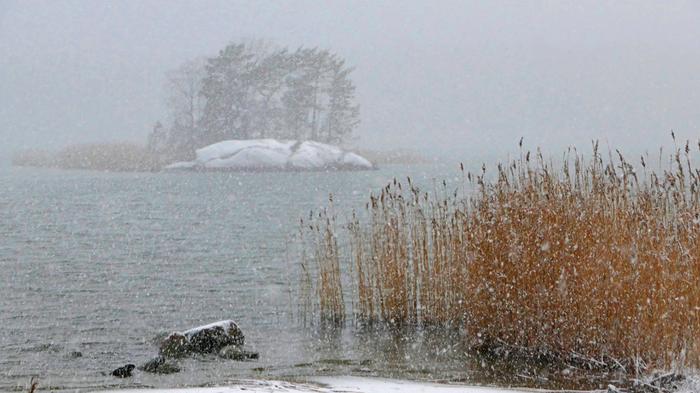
[251,91]
[343,113]
[227,93]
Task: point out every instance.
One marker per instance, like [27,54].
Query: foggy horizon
[457,79]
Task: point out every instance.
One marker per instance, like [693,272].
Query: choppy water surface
[101,263]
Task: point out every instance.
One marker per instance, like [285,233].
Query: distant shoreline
[131,157]
[113,157]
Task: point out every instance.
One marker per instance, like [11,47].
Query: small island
[252,107]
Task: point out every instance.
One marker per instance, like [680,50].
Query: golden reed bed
[589,257]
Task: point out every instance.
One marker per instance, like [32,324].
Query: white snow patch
[225,149]
[181,165]
[691,385]
[268,154]
[226,325]
[315,155]
[356,160]
[254,157]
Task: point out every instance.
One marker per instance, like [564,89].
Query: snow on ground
[371,385]
[692,384]
[333,385]
[252,154]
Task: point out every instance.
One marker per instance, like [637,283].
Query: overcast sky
[454,76]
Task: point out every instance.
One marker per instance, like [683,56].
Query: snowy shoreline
[354,384]
[340,384]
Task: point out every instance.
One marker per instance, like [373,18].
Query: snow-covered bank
[271,154]
[371,385]
[349,384]
[333,385]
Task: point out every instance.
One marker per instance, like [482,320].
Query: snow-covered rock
[203,339]
[271,154]
[309,155]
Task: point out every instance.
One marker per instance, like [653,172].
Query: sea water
[94,266]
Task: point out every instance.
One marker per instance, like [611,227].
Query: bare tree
[183,87]
[186,104]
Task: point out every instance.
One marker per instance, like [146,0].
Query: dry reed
[33,385]
[588,258]
[329,288]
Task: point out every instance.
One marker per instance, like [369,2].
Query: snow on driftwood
[271,154]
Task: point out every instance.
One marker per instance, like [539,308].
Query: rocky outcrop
[224,339]
[124,371]
[211,338]
[175,345]
[204,339]
[159,365]
[272,155]
[234,352]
